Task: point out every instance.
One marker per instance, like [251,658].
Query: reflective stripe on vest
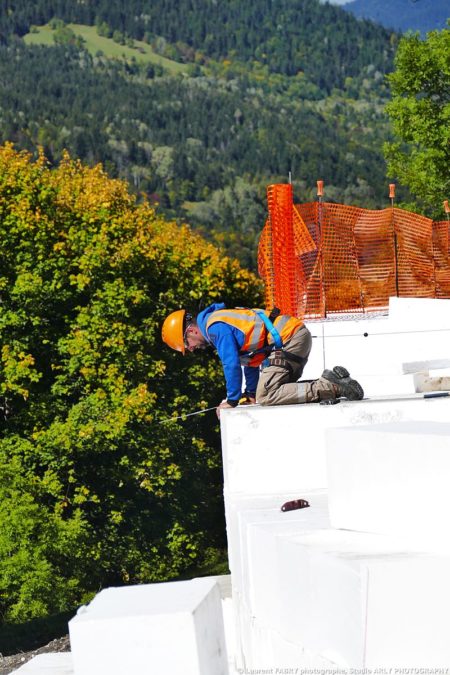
[286,326]
[245,320]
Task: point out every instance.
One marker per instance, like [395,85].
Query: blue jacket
[228,340]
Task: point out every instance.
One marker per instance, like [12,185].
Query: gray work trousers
[278,383]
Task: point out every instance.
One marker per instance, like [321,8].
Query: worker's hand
[221,406]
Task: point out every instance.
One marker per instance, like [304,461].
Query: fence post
[392,197]
[320,242]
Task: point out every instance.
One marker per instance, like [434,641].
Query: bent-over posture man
[252,338]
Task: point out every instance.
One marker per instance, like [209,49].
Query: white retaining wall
[281,449]
[306,593]
[415,329]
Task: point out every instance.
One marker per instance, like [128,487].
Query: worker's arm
[225,340]
[251,380]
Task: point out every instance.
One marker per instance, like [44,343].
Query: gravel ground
[10,663]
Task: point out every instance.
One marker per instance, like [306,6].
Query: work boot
[349,388]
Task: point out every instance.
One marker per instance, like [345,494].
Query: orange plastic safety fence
[321,258]
[311,261]
[375,248]
[441,252]
[415,262]
[282,239]
[342,281]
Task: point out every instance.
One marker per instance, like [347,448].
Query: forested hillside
[270,88]
[287,35]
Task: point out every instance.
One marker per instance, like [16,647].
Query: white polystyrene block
[420,314]
[281,449]
[242,511]
[129,629]
[229,631]
[263,446]
[435,364]
[266,651]
[392,479]
[242,622]
[382,385]
[47,664]
[294,656]
[261,565]
[253,565]
[362,600]
[236,545]
[234,504]
[381,344]
[355,344]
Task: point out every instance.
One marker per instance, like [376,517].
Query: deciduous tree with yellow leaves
[96,487]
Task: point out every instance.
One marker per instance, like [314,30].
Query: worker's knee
[271,379]
[285,394]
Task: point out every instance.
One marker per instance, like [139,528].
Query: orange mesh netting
[441,252]
[284,238]
[320,258]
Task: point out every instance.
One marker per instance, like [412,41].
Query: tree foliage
[420,116]
[96,486]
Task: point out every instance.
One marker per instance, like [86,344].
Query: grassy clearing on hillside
[94,43]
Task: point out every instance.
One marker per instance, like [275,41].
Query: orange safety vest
[255,332]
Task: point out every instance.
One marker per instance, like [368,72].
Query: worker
[278,344]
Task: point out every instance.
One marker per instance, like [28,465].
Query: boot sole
[349,388]
[335,375]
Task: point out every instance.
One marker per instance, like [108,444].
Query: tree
[97,485]
[420,115]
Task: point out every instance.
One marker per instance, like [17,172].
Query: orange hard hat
[173,330]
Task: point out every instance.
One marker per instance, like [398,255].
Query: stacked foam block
[169,628]
[359,579]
